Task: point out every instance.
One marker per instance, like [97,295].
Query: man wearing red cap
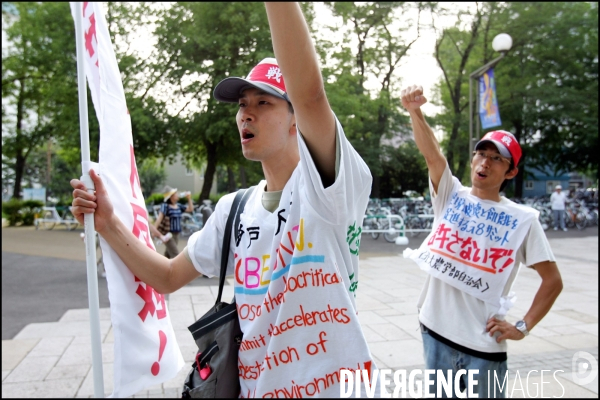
[472,256]
[295,252]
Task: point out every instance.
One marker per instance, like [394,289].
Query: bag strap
[236,209]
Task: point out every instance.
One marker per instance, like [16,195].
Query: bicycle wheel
[187,225]
[375,235]
[45,222]
[570,220]
[371,224]
[580,221]
[414,223]
[390,236]
[545,220]
[70,221]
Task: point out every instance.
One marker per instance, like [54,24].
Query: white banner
[146,350]
[473,245]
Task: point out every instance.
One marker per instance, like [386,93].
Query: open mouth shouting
[481,174]
[247,135]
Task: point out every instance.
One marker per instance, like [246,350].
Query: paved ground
[47,353]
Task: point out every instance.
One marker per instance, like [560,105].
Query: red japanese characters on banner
[466,250]
[146,350]
[473,245]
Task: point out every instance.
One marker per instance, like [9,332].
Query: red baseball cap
[266,76]
[506,143]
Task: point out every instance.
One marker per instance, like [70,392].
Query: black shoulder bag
[217,333]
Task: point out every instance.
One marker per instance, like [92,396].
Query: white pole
[90,233]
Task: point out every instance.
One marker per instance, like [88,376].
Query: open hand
[412,98]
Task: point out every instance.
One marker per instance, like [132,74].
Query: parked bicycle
[49,217]
[575,216]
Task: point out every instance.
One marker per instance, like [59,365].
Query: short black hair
[510,168]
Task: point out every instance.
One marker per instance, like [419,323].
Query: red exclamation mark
[163,343]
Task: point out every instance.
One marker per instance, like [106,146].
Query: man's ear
[512,173]
[293,128]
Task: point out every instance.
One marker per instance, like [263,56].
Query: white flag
[146,351]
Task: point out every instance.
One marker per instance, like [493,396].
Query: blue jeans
[559,218]
[440,356]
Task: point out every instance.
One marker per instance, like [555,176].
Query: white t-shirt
[558,200]
[295,273]
[465,324]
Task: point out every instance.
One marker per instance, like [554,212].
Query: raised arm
[297,58]
[412,100]
[162,274]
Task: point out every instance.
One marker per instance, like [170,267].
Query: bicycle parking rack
[397,227]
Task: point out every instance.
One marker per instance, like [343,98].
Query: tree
[368,115]
[204,43]
[38,81]
[404,168]
[152,175]
[457,52]
[540,84]
[549,92]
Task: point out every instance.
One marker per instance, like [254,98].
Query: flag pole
[90,233]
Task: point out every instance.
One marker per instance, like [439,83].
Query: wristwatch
[522,326]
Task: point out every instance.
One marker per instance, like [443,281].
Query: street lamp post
[502,44]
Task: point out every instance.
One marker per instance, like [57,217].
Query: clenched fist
[412,98]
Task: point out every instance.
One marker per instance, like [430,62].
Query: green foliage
[38,80]
[216,197]
[404,169]
[551,67]
[212,41]
[29,210]
[549,96]
[154,199]
[368,116]
[12,210]
[152,175]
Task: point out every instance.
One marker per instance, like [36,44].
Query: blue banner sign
[488,103]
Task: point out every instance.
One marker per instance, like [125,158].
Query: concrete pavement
[53,359]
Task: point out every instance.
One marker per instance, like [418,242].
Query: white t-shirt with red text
[457,315]
[295,273]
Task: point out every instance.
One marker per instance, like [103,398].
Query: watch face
[522,327]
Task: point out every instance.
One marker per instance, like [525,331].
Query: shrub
[29,209]
[155,199]
[215,198]
[12,210]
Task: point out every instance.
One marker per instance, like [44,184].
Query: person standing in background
[173,210]
[558,201]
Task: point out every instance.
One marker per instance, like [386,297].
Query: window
[188,171]
[550,186]
[528,185]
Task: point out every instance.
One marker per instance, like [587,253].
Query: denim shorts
[439,356]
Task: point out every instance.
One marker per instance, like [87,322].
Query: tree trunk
[375,187]
[231,186]
[518,180]
[243,179]
[211,167]
[19,159]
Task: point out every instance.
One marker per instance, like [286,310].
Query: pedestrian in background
[172,210]
[558,201]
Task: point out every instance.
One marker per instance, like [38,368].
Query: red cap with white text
[265,76]
[507,145]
